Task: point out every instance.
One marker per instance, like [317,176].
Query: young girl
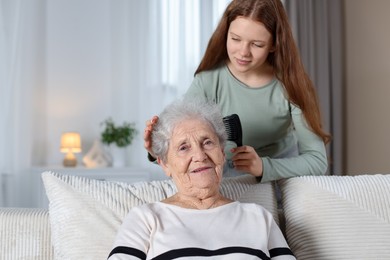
[252,68]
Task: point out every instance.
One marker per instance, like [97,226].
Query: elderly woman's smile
[194,153]
[201,169]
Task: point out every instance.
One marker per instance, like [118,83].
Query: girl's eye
[235,39]
[257,45]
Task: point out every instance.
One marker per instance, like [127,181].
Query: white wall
[78,71]
[367,86]
[82,84]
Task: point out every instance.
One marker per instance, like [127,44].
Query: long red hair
[285,60]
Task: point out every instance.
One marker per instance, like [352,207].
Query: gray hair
[180,110]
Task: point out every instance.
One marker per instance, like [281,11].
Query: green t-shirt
[273,126]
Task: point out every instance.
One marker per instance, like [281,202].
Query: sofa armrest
[25,234]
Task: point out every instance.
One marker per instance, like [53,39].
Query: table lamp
[70,144]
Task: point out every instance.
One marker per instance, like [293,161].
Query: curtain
[186,28]
[318,30]
[19,72]
[156,47]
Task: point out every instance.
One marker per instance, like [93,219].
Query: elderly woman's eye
[183,148]
[208,142]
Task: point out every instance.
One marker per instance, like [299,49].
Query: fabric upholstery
[338,217]
[85,214]
[25,234]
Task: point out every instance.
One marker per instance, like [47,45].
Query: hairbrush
[233,128]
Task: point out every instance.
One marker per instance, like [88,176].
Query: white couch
[323,217]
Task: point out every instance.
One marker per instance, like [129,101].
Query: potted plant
[122,136]
[117,136]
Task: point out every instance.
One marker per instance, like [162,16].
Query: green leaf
[122,135]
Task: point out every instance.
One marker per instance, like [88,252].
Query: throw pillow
[338,217]
[85,214]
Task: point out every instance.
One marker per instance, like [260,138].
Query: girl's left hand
[245,159]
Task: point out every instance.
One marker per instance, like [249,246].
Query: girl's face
[248,45]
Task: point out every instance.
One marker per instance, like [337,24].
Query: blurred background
[68,65]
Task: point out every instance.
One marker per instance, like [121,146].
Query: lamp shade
[70,142]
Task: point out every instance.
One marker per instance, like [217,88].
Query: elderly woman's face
[195,158]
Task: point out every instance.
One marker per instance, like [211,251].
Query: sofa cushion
[338,217]
[85,214]
[25,234]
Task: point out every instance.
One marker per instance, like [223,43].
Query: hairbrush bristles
[233,128]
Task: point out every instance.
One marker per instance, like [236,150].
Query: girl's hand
[245,159]
[148,134]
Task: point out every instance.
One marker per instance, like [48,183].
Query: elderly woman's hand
[245,159]
[148,134]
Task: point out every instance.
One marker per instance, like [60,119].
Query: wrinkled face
[195,158]
[248,45]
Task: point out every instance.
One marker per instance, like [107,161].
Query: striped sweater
[232,231]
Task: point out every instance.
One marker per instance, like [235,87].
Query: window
[186,26]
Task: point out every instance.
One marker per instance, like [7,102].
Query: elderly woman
[197,222]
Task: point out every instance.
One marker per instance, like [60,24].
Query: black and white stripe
[193,251]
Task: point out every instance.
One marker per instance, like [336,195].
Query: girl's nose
[244,49]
